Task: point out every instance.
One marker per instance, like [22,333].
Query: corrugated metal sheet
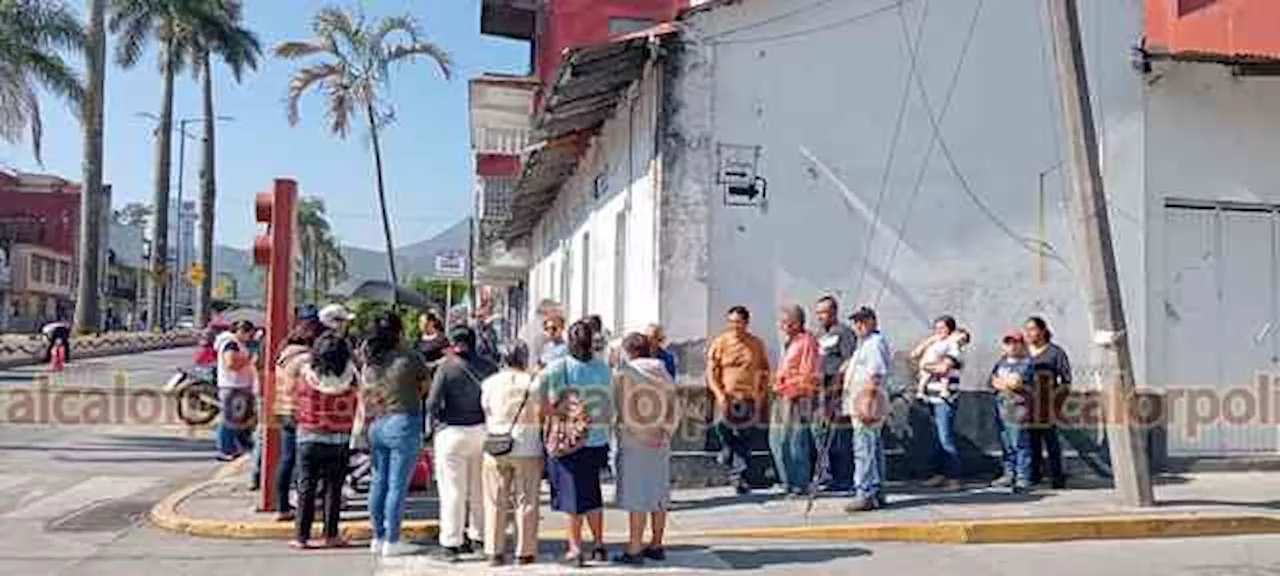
[590,83]
[1215,30]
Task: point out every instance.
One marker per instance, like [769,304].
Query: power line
[903,103]
[816,29]
[772,19]
[946,107]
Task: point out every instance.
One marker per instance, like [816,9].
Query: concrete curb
[165,515]
[1022,530]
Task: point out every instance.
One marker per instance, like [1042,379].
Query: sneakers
[394,549]
[951,485]
[375,546]
[934,481]
[862,504]
[1004,481]
[1020,488]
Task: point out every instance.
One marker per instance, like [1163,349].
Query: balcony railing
[500,140]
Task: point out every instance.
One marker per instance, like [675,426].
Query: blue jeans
[234,434]
[946,456]
[1015,440]
[394,443]
[791,442]
[840,463]
[868,462]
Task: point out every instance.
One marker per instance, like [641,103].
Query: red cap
[1012,336]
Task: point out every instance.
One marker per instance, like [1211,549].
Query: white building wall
[615,177]
[820,90]
[1213,274]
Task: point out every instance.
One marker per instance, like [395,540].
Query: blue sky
[426,153]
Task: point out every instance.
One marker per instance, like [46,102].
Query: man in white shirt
[866,400]
[236,377]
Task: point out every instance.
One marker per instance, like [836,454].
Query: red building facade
[1230,30]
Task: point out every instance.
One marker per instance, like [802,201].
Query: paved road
[145,370]
[1239,556]
[73,499]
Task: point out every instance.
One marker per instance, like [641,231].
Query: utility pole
[1102,285]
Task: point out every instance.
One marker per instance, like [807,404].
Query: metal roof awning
[589,85]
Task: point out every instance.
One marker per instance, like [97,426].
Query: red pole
[275,250]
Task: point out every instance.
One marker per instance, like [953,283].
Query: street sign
[451,265]
[196,274]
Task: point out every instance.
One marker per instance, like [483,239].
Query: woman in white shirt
[513,407]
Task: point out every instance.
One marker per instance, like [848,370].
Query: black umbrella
[380,291]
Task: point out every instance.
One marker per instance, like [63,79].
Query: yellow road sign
[196,274]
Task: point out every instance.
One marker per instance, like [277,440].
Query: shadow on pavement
[1271,505]
[963,498]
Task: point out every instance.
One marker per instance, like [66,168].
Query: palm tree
[239,49]
[313,227]
[33,34]
[357,57]
[169,23]
[91,207]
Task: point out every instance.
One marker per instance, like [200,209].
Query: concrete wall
[1212,137]
[820,92]
[616,176]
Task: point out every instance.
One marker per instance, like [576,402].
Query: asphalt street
[73,500]
[142,370]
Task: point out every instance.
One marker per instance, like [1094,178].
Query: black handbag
[502,444]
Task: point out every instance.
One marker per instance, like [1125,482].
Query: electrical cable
[885,176]
[821,28]
[772,19]
[946,108]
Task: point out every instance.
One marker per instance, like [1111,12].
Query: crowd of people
[566,403]
[825,403]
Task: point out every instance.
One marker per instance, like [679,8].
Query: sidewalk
[1190,505]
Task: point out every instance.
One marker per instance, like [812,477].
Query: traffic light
[274,249]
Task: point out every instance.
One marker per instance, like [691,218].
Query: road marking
[93,490]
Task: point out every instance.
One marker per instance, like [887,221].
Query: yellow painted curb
[1021,530]
[165,515]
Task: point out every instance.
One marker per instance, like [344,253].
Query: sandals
[299,545]
[576,561]
[600,554]
[336,542]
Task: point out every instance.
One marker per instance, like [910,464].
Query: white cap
[334,314]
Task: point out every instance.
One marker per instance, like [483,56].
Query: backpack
[567,423]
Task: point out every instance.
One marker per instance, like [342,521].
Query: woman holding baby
[938,385]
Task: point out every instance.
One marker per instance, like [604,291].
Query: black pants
[734,427]
[320,462]
[1045,439]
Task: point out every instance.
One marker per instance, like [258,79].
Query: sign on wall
[738,175]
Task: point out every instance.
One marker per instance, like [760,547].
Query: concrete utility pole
[1106,311]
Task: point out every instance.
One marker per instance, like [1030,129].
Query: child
[1011,378]
[937,349]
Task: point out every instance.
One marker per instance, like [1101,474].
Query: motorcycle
[196,394]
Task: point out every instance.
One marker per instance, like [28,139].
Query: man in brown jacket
[737,377]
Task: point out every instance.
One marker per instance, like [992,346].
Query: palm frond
[341,107]
[303,80]
[422,48]
[295,49]
[392,24]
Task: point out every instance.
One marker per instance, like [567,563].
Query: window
[620,272]
[619,25]
[64,274]
[35,272]
[50,271]
[586,274]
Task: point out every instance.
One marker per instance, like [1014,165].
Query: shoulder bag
[566,430]
[502,444]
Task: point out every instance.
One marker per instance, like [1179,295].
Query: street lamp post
[178,276]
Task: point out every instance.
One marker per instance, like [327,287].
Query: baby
[932,367]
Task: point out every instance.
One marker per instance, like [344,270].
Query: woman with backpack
[579,417]
[646,422]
